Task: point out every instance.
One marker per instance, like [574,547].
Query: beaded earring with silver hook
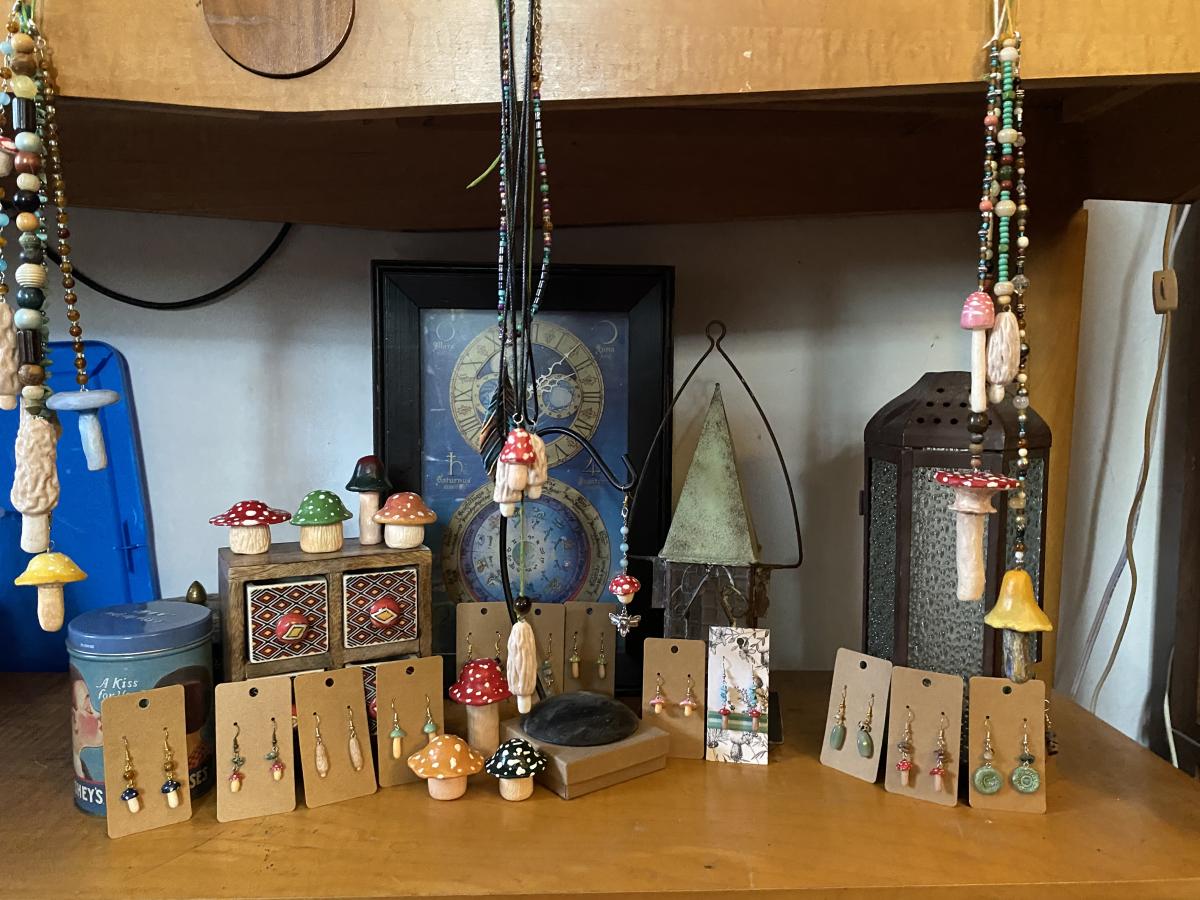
[688,703]
[602,659]
[985,778]
[940,757]
[429,728]
[131,795]
[575,659]
[237,761]
[497,649]
[272,755]
[865,743]
[1051,734]
[353,747]
[1025,777]
[171,785]
[548,665]
[320,754]
[658,701]
[837,734]
[905,745]
[396,734]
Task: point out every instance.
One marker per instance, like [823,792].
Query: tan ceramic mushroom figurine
[514,763]
[480,687]
[49,572]
[445,763]
[404,518]
[1019,617]
[972,502]
[249,523]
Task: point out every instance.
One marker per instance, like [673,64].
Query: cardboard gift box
[575,771]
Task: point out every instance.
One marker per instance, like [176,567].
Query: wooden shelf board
[1122,823]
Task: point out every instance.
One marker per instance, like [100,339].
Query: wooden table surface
[1122,823]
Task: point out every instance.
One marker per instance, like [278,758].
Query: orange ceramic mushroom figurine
[972,501]
[249,523]
[445,763]
[1019,618]
[404,518]
[515,762]
[480,687]
[49,572]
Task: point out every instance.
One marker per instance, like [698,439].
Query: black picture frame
[401,290]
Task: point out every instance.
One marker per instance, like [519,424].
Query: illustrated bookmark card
[739,661]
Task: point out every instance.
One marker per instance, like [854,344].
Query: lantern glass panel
[944,633]
[881,559]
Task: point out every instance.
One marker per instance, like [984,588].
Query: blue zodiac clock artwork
[582,366]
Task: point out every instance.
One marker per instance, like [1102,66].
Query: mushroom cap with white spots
[405,508]
[321,508]
[518,448]
[516,758]
[988,481]
[624,584]
[446,756]
[249,513]
[480,683]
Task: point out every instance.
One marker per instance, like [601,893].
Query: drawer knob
[291,627]
[384,612]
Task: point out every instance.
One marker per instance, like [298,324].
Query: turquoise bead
[866,745]
[837,737]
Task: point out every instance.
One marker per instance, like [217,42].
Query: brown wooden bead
[69,297]
[73,315]
[27,221]
[27,162]
[81,378]
[20,42]
[31,374]
[81,363]
[66,266]
[64,248]
[13,27]
[75,331]
[68,281]
[23,64]
[64,233]
[6,72]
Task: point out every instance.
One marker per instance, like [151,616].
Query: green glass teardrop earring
[1025,777]
[986,779]
[837,734]
[866,744]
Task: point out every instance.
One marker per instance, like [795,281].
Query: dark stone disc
[581,719]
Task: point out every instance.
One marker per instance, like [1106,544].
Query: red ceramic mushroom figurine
[512,469]
[624,586]
[249,523]
[480,687]
[972,501]
[978,315]
[404,518]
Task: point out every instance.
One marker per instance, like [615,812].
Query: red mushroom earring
[624,587]
[575,659]
[688,704]
[658,701]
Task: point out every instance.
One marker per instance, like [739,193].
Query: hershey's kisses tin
[137,647]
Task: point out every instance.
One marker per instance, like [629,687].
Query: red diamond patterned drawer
[289,611]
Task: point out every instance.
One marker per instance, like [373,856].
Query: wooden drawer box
[290,611]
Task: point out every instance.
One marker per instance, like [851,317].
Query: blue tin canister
[137,647]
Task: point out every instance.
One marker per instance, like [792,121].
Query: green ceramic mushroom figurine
[320,518]
[515,762]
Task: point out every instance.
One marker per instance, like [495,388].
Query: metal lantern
[911,614]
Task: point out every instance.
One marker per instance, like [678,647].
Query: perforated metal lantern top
[910,612]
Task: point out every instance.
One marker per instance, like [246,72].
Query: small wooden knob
[291,627]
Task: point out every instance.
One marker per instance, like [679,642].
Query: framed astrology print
[602,352]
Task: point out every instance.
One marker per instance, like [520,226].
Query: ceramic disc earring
[548,665]
[320,754]
[658,701]
[688,704]
[430,728]
[272,755]
[130,795]
[353,747]
[866,743]
[575,659]
[602,660]
[986,779]
[396,734]
[905,745]
[1025,777]
[170,787]
[837,734]
[941,756]
[237,761]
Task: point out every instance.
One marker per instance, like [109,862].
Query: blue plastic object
[101,521]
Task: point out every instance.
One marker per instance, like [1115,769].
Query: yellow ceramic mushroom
[49,572]
[1018,615]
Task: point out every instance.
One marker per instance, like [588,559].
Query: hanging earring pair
[1024,778]
[170,787]
[688,704]
[837,734]
[237,776]
[353,747]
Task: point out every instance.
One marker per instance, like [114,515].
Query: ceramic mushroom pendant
[34,491]
[445,763]
[369,482]
[404,518]
[1019,618]
[320,517]
[10,386]
[517,458]
[972,503]
[480,687]
[48,572]
[522,664]
[249,523]
[87,403]
[514,763]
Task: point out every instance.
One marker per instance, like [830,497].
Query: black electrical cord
[191,302]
